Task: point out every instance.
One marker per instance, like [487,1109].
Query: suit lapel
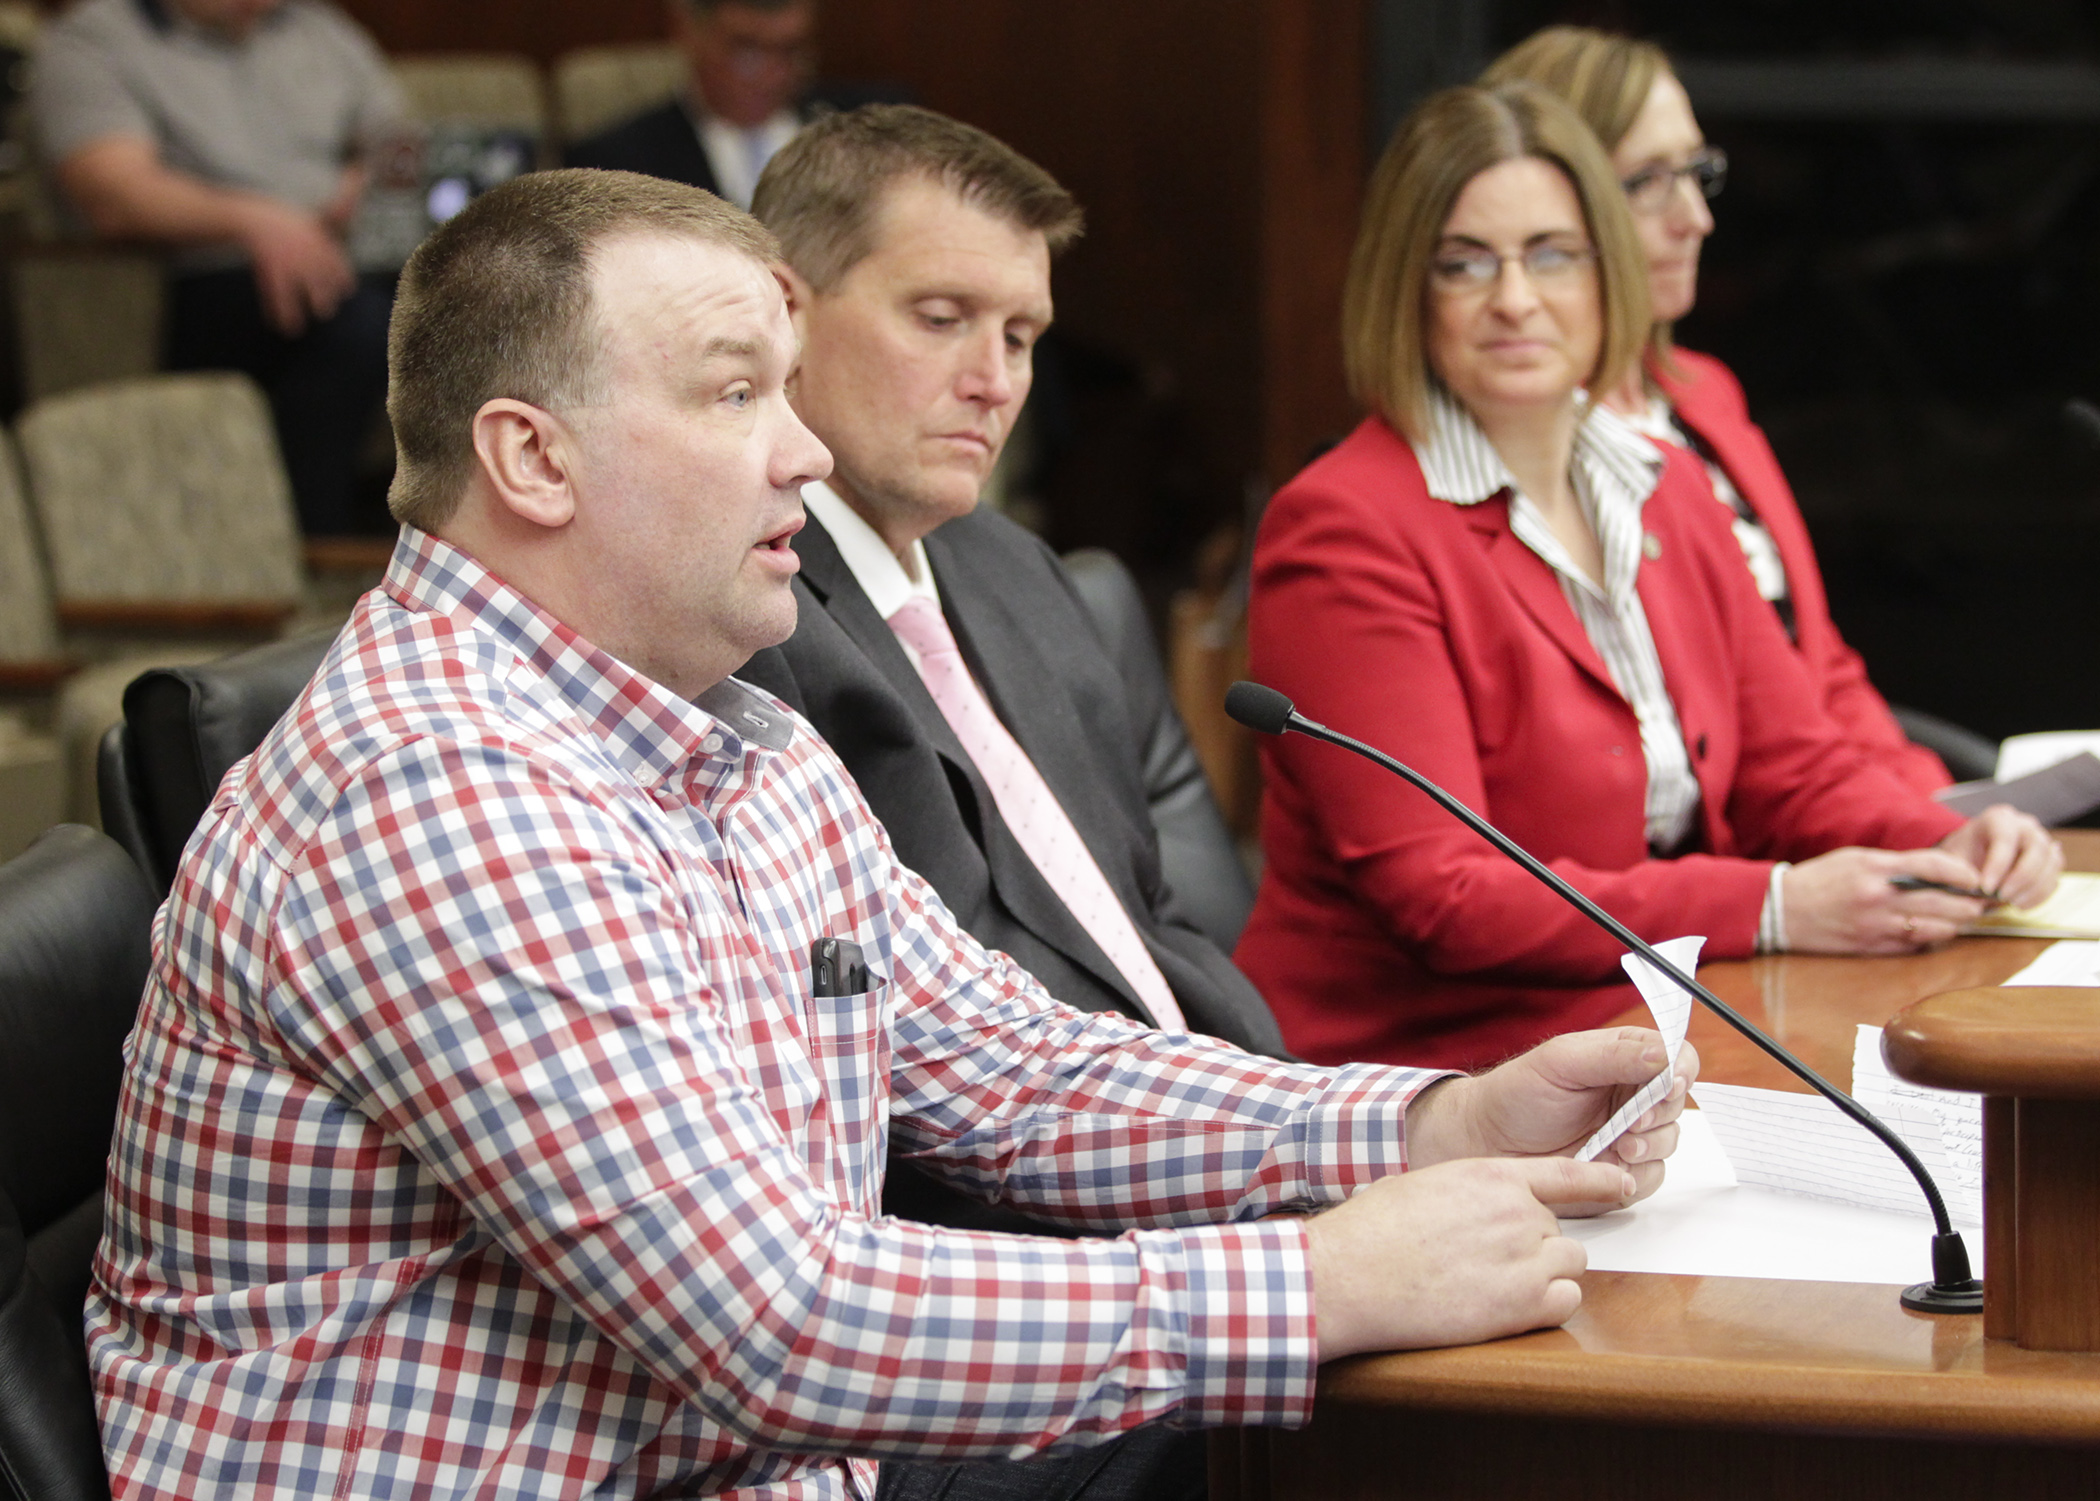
[1536,588]
[1028,691]
[825,574]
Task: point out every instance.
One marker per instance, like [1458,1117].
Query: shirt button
[711,744]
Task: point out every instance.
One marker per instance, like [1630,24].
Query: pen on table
[1919,883]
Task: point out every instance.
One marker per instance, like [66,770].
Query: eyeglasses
[1477,268]
[1650,190]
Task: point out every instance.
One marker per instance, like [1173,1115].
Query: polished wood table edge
[1974,1388]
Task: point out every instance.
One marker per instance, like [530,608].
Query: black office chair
[183,728]
[1968,755]
[74,919]
[1196,853]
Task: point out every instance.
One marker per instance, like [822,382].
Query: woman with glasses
[1625,91]
[1506,585]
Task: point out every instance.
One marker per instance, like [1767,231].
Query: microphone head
[1258,708]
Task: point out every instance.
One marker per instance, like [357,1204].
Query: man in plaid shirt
[483,1132]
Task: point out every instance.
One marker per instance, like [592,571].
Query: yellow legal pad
[2073,912]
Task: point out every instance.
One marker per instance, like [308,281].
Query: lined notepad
[2073,912]
[1802,1144]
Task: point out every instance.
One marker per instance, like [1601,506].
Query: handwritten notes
[1671,1006]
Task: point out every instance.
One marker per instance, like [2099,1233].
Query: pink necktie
[1030,809]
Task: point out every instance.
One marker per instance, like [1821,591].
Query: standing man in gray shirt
[229,132]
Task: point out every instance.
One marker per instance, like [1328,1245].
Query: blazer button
[1651,546]
[1618,750]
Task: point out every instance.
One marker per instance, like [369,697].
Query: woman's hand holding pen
[1859,901]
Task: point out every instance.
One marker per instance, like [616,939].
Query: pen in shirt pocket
[1919,883]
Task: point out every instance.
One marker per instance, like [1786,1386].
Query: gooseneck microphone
[1952,1288]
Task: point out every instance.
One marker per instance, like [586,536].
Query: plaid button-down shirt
[481,1136]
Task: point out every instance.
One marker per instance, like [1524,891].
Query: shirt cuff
[1771,923]
[1353,1134]
[1252,1347]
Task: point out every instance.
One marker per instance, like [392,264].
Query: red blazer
[1385,930]
[1710,403]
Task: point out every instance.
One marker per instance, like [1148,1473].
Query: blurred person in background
[1626,92]
[1504,584]
[749,64]
[228,133]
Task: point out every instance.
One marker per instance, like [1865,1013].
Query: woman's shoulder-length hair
[1447,141]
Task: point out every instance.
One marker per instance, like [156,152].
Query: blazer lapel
[1536,588]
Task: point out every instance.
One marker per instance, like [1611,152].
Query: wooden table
[1723,1387]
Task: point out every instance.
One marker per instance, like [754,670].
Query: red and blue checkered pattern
[481,1138]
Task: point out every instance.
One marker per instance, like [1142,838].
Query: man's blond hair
[820,192]
[497,304]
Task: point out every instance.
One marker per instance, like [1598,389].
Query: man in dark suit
[748,68]
[919,278]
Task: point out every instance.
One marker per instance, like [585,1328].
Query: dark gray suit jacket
[1034,647]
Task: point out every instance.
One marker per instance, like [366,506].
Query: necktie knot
[918,623]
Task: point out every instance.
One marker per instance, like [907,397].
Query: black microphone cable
[1953,1289]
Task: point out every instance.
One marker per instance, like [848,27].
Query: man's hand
[120,184]
[1451,1254]
[300,269]
[1549,1101]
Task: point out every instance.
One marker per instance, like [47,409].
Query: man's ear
[798,292]
[525,454]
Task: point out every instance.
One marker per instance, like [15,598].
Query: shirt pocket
[849,1042]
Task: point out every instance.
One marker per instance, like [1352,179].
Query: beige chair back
[84,316]
[597,87]
[500,89]
[168,489]
[28,630]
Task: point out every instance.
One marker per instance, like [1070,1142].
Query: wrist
[1440,1123]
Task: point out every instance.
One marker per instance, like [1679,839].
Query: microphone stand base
[1952,1297]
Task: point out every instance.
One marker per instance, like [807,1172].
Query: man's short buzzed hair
[497,304]
[820,192]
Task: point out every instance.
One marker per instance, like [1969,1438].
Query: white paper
[2075,961]
[1701,1222]
[1801,1144]
[1959,1115]
[1671,1006]
[2020,754]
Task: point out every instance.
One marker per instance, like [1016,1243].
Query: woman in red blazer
[1626,93]
[1555,625]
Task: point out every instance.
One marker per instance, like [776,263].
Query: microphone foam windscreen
[1258,708]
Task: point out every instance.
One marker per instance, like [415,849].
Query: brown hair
[497,303]
[821,190]
[1607,78]
[1449,139]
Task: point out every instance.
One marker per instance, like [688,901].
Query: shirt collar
[874,567]
[1460,466]
[649,730]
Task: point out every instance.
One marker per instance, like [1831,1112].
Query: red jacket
[1385,930]
[1709,402]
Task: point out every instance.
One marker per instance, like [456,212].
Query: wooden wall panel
[1147,112]
[1218,148]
